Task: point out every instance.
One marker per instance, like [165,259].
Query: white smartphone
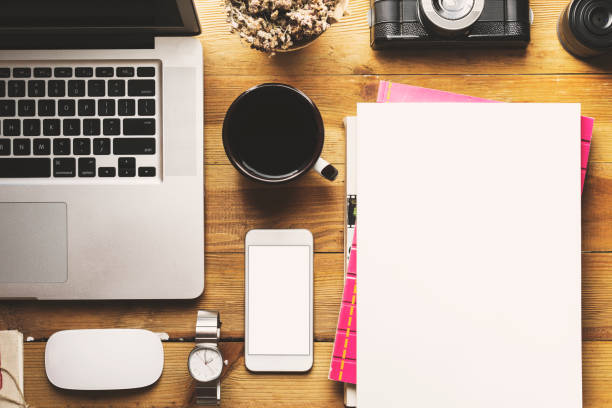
[278,300]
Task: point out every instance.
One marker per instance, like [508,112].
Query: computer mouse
[103,359]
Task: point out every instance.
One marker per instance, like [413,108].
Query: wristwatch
[205,361]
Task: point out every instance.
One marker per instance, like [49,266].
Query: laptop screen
[158,16]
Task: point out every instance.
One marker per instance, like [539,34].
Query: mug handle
[325,169]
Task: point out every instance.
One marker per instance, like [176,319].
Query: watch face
[205,364]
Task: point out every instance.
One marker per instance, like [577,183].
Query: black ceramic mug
[274,133]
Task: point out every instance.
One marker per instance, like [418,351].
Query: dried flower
[271,25]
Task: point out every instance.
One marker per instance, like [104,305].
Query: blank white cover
[469,255]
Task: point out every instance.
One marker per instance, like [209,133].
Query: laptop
[101,150]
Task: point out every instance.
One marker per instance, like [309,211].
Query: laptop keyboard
[81,121]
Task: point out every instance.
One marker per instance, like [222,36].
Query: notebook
[470,270]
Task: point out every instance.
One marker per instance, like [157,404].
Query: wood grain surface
[336,71]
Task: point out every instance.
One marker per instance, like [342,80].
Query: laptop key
[2,89]
[72,127]
[87,167]
[83,72]
[146,107]
[106,172]
[91,127]
[26,107]
[104,71]
[135,127]
[7,108]
[46,107]
[133,145]
[106,107]
[146,71]
[56,88]
[87,107]
[65,107]
[5,72]
[146,172]
[95,87]
[81,147]
[42,147]
[25,167]
[126,107]
[116,87]
[11,127]
[61,147]
[141,87]
[21,147]
[111,127]
[101,146]
[63,72]
[36,89]
[31,127]
[127,166]
[42,72]
[124,72]
[5,147]
[16,89]
[76,87]
[22,72]
[64,167]
[51,127]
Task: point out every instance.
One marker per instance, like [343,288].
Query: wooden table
[337,71]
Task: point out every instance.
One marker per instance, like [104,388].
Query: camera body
[428,23]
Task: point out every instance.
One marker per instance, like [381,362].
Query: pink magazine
[343,364]
[393,92]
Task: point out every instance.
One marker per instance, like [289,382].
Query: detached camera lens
[453,9]
[599,21]
[585,27]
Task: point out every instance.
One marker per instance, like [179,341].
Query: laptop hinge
[76,41]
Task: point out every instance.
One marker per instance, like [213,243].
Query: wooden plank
[235,205]
[597,296]
[176,389]
[337,96]
[224,292]
[243,389]
[596,210]
[597,374]
[345,49]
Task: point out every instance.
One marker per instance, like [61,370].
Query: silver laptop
[101,150]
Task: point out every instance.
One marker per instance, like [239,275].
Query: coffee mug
[273,133]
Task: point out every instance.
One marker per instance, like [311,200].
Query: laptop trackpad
[33,246]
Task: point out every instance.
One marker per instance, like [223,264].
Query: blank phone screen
[279,300]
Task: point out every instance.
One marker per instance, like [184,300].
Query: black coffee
[273,131]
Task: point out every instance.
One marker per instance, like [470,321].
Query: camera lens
[599,20]
[453,9]
[450,17]
[585,27]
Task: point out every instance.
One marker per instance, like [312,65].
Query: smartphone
[278,300]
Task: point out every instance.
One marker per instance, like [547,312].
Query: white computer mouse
[104,359]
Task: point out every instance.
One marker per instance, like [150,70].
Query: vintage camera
[426,23]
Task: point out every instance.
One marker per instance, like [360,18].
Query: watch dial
[205,364]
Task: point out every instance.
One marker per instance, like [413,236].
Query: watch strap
[208,393]
[207,327]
